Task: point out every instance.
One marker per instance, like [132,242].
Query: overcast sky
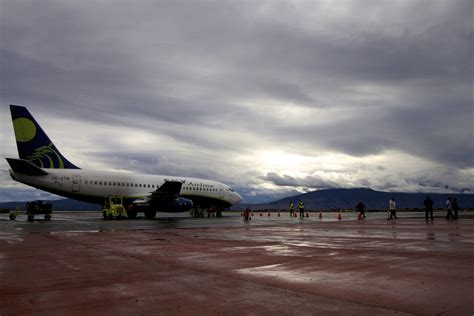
[270,97]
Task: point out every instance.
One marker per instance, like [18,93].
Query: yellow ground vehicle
[113,208]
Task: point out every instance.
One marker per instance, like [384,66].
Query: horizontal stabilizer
[25,167]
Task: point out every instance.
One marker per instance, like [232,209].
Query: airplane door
[76,183]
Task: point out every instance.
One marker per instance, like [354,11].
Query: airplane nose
[237,198]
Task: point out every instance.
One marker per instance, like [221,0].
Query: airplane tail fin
[33,144]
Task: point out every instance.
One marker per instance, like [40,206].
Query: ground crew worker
[455,208]
[301,208]
[291,207]
[247,214]
[360,207]
[449,207]
[392,206]
[428,207]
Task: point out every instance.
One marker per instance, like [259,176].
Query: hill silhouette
[335,199]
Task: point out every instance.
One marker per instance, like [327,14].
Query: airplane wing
[167,191]
[166,198]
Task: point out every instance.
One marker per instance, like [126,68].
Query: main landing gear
[200,212]
[150,214]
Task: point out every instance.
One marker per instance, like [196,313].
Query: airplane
[42,166]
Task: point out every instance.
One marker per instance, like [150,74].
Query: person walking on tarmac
[247,214]
[455,208]
[291,206]
[360,207]
[392,206]
[449,208]
[301,208]
[428,207]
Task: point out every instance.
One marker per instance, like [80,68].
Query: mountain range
[330,199]
[337,199]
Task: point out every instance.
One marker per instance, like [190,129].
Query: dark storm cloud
[211,76]
[156,163]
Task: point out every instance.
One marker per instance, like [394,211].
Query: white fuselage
[93,186]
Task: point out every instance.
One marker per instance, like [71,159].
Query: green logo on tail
[43,156]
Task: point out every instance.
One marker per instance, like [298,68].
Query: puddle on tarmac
[73,233]
[281,250]
[11,238]
[280,272]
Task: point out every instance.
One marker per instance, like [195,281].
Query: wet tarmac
[79,264]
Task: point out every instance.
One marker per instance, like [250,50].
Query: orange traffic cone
[268,214]
[339,216]
[278,214]
[320,215]
[260,213]
[307,214]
